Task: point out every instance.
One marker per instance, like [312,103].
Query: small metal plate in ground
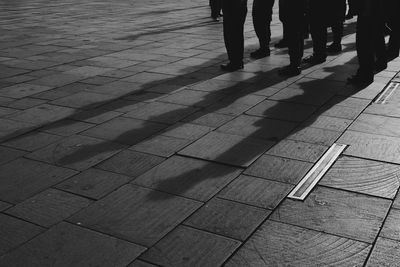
[309,181]
[387,93]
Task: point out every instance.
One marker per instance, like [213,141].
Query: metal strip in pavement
[311,179]
[387,93]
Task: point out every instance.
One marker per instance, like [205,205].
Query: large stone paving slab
[279,244]
[163,146]
[94,183]
[282,110]
[188,177]
[77,152]
[225,148]
[49,207]
[130,163]
[15,232]
[23,178]
[161,112]
[32,141]
[386,253]
[371,146]
[227,218]
[379,125]
[363,176]
[9,154]
[137,214]
[190,247]
[297,150]
[315,136]
[70,245]
[23,90]
[257,127]
[11,128]
[391,228]
[279,169]
[125,130]
[346,214]
[257,192]
[328,123]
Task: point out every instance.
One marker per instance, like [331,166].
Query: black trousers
[292,15]
[216,7]
[234,17]
[393,21]
[324,14]
[370,43]
[262,16]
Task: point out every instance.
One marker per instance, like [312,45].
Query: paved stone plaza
[123,144]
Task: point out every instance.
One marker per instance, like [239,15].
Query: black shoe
[290,71]
[281,44]
[359,79]
[231,66]
[334,48]
[260,53]
[314,60]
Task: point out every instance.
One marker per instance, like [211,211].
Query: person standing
[215,9]
[393,21]
[325,13]
[370,41]
[292,14]
[262,16]
[235,12]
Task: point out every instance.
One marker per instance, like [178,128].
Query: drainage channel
[311,179]
[387,93]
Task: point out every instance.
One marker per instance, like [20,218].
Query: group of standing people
[316,16]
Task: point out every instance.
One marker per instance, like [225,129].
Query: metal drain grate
[309,181]
[387,92]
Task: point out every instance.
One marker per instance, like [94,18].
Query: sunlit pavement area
[123,144]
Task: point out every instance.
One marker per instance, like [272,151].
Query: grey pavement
[123,144]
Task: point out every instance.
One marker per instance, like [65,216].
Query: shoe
[290,71]
[334,48]
[281,44]
[216,19]
[314,60]
[231,67]
[359,79]
[260,53]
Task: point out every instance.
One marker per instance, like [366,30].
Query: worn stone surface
[125,130]
[370,146]
[224,148]
[196,179]
[131,163]
[391,228]
[279,244]
[9,154]
[187,247]
[48,207]
[279,169]
[32,141]
[94,183]
[227,218]
[298,150]
[70,245]
[164,146]
[256,191]
[363,176]
[23,178]
[386,253]
[77,152]
[15,232]
[315,136]
[336,212]
[136,214]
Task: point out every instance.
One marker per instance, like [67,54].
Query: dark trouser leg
[234,17]
[394,41]
[262,16]
[365,46]
[337,31]
[379,43]
[215,8]
[319,36]
[295,42]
